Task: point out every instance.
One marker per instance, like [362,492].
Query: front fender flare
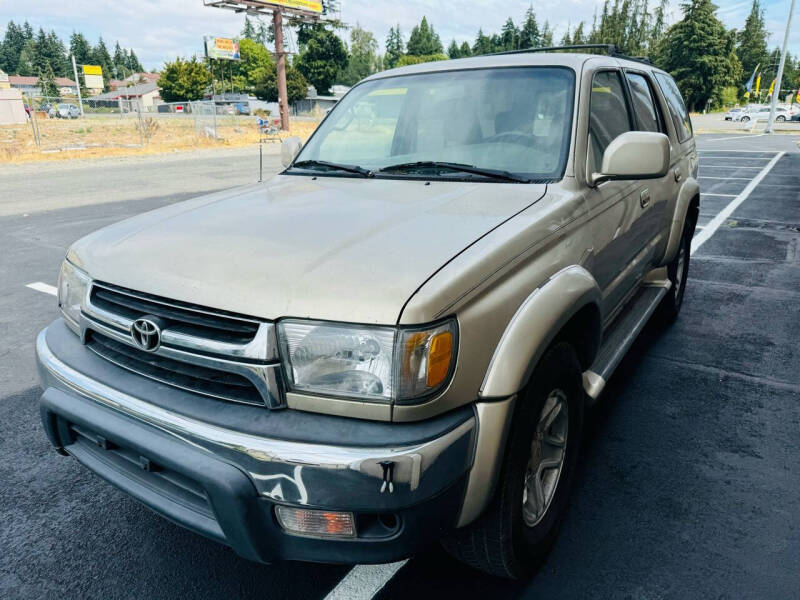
[689,190]
[534,326]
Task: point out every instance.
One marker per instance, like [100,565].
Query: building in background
[147,94]
[12,110]
[30,85]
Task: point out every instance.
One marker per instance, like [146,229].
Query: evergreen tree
[133,62]
[699,53]
[547,35]
[659,25]
[248,31]
[47,83]
[362,60]
[529,36]
[578,37]
[453,50]
[752,47]
[79,48]
[509,36]
[100,56]
[394,47]
[13,43]
[27,59]
[423,40]
[482,45]
[465,50]
[566,40]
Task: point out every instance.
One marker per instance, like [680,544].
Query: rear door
[616,207]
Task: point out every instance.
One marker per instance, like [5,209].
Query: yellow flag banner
[771,87]
[758,84]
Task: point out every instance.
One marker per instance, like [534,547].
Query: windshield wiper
[310,164]
[464,168]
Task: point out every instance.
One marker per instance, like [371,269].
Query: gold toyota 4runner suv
[393,340]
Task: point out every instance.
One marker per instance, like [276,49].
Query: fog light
[316,523]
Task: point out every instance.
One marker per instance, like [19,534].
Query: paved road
[689,484]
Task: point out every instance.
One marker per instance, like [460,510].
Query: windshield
[516,120]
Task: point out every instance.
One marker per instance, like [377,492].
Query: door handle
[644,197]
[678,174]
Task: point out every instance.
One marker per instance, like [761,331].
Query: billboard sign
[222,48]
[314,6]
[93,76]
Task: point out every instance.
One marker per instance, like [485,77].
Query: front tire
[780,118]
[513,536]
[745,119]
[678,272]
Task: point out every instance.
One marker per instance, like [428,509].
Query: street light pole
[78,83]
[777,89]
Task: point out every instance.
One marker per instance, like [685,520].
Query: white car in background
[732,113]
[761,113]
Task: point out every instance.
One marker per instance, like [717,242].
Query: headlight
[72,286]
[380,364]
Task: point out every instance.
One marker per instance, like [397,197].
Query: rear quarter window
[677,107]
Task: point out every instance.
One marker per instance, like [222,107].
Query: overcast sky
[159,30]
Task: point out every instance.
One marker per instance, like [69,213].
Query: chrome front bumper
[344,477]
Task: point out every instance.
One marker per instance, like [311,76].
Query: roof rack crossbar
[610,49]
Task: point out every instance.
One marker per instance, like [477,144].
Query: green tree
[453,50]
[47,83]
[699,53]
[255,63]
[14,41]
[483,44]
[529,35]
[27,59]
[133,62]
[79,48]
[547,35]
[363,59]
[413,59]
[322,58]
[578,36]
[752,41]
[465,50]
[184,80]
[100,56]
[395,48]
[423,40]
[509,36]
[249,30]
[266,88]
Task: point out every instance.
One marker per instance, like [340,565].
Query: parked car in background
[729,116]
[761,113]
[795,116]
[67,111]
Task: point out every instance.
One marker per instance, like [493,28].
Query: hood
[343,249]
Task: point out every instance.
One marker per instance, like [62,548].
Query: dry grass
[103,136]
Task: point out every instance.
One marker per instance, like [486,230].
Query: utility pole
[777,90]
[78,83]
[280,55]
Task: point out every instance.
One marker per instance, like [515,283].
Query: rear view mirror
[634,155]
[290,148]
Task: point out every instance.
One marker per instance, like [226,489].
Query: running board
[621,335]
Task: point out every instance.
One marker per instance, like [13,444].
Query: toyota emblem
[146,334]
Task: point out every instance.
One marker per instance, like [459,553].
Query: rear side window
[643,104]
[677,108]
[608,115]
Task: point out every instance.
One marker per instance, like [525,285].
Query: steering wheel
[513,137]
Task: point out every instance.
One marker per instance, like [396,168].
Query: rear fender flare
[534,326]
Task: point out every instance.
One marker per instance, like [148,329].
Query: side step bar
[621,335]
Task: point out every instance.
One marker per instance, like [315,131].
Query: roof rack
[610,49]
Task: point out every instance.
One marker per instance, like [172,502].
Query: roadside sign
[92,70]
[222,48]
[308,6]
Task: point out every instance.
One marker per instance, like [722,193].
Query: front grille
[191,377]
[180,317]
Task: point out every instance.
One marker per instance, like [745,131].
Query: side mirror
[290,148]
[634,155]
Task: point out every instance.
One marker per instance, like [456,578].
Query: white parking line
[724,178]
[43,287]
[726,212]
[735,137]
[737,151]
[702,166]
[720,195]
[364,581]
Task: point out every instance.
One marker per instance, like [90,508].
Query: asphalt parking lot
[690,481]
